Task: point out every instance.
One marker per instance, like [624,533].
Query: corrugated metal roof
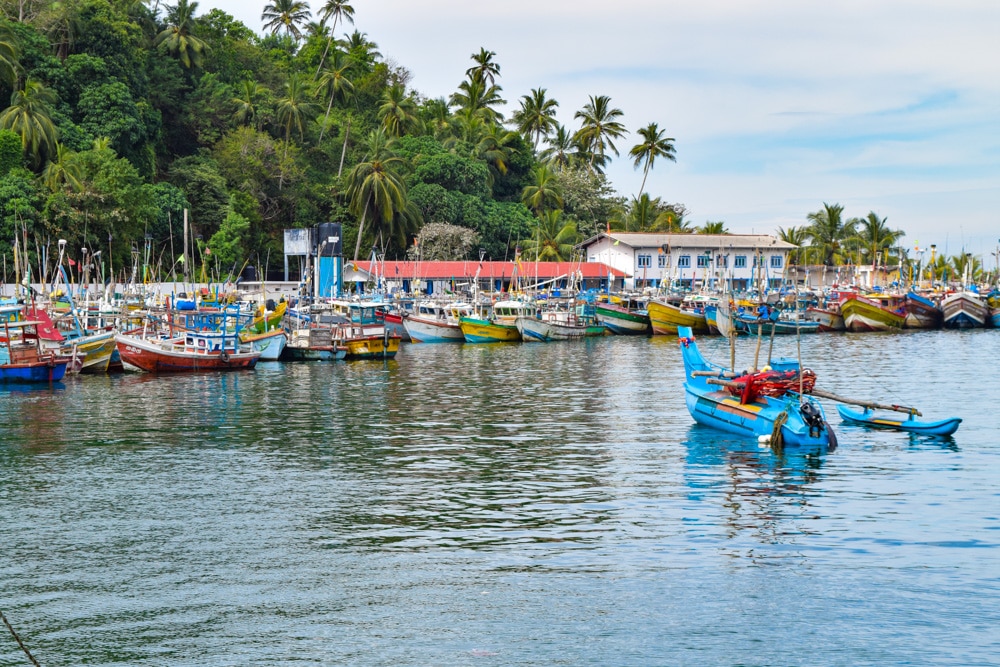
[467,269]
[643,240]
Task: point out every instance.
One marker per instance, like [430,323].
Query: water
[500,505]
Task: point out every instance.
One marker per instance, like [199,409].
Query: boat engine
[812,417]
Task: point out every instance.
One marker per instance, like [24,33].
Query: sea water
[511,504]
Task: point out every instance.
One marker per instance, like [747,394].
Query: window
[722,261]
[645,261]
[661,261]
[704,261]
[684,261]
[776,261]
[740,262]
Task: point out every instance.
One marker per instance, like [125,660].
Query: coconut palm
[63,171]
[178,38]
[544,194]
[436,117]
[339,11]
[599,125]
[9,56]
[361,49]
[652,146]
[797,236]
[30,115]
[248,92]
[875,236]
[485,70]
[294,110]
[536,117]
[554,240]
[287,15]
[671,221]
[828,232]
[398,112]
[638,216]
[713,228]
[563,152]
[335,84]
[478,97]
[377,189]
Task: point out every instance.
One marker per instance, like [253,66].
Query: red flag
[71,262]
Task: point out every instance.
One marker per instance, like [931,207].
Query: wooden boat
[500,326]
[724,311]
[312,343]
[22,358]
[665,317]
[909,424]
[553,325]
[829,318]
[364,335]
[270,344]
[786,324]
[189,352]
[764,406]
[964,310]
[436,323]
[921,312]
[993,303]
[874,312]
[630,317]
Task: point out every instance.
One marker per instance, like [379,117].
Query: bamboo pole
[865,404]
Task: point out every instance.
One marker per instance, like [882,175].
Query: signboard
[298,242]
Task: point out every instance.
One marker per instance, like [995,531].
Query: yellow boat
[666,317]
[371,347]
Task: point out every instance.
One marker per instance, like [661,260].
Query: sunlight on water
[503,505]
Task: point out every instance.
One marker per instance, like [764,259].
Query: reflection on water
[547,504]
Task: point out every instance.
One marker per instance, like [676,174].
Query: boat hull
[921,313]
[665,318]
[270,344]
[34,372]
[421,330]
[861,314]
[909,425]
[963,311]
[622,321]
[477,330]
[371,347]
[546,331]
[829,320]
[155,357]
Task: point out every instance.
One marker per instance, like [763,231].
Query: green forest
[124,113]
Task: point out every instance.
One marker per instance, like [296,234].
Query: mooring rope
[18,640]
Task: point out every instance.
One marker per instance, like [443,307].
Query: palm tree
[436,117]
[294,110]
[638,216]
[828,232]
[797,236]
[178,37]
[494,148]
[361,49]
[485,70]
[30,115]
[544,194]
[599,126]
[63,171]
[398,111]
[247,94]
[335,83]
[477,97]
[377,189]
[713,228]
[875,236]
[671,221]
[652,146]
[536,117]
[563,151]
[554,238]
[339,10]
[287,15]
[9,56]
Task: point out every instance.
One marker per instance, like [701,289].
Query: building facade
[692,261]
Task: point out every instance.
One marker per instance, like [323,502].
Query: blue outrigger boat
[783,415]
[909,424]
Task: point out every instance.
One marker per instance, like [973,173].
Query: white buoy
[764,439]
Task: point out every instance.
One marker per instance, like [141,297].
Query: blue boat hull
[909,425]
[801,420]
[33,373]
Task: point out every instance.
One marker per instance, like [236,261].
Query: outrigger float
[910,424]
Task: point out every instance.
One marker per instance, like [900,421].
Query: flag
[180,260]
[71,262]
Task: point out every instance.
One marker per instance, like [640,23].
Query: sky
[775,106]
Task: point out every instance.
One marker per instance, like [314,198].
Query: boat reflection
[761,499]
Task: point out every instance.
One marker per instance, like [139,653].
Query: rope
[777,439]
[18,640]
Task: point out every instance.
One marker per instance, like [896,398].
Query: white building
[692,261]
